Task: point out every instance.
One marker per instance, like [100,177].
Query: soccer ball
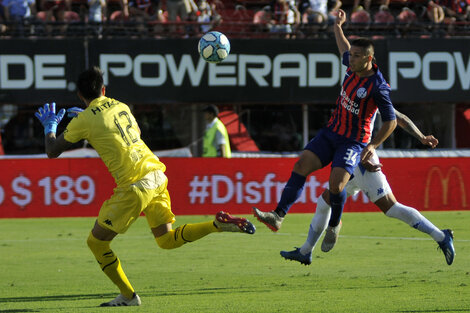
[214,47]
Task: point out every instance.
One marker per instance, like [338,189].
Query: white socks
[416,220]
[399,211]
[317,226]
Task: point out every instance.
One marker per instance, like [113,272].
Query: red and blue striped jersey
[358,102]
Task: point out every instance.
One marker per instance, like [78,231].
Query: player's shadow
[201,291]
[18,310]
[56,298]
[51,298]
[433,311]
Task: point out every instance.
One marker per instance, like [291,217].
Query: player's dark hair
[366,44]
[90,82]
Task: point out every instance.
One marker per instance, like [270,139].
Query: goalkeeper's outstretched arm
[50,119]
[55,146]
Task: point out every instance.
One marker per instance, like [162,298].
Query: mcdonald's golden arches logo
[444,179]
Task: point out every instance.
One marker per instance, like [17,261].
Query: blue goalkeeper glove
[48,118]
[73,112]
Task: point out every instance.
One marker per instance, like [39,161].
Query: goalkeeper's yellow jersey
[112,130]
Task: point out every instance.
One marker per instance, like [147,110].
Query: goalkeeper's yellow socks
[110,265]
[186,233]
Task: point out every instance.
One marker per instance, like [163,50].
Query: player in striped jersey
[109,126]
[369,178]
[346,139]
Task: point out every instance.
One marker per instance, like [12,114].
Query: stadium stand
[241,19]
[240,139]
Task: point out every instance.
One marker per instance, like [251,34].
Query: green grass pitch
[379,265]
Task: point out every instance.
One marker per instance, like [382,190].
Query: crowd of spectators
[186,18]
[55,17]
[312,17]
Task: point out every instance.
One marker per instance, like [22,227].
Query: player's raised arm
[404,122]
[56,145]
[341,41]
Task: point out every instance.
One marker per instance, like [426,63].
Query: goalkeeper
[112,130]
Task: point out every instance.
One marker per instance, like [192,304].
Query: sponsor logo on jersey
[348,104]
[361,93]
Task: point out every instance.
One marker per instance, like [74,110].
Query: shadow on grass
[147,293]
[18,310]
[201,291]
[433,311]
[157,293]
[56,298]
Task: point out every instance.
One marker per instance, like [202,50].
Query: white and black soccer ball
[214,47]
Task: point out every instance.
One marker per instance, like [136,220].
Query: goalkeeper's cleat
[123,301]
[331,237]
[447,246]
[295,255]
[270,219]
[226,222]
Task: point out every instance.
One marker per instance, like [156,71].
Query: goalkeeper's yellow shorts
[149,196]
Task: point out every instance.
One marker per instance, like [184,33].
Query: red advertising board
[78,187]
